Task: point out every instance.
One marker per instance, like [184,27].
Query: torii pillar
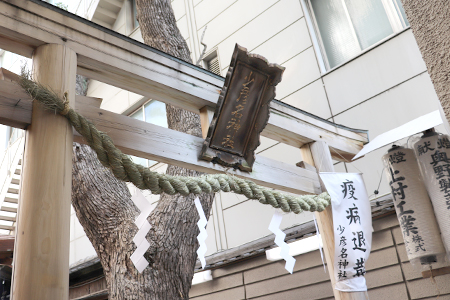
[41,256]
[318,155]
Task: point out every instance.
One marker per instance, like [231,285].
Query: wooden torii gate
[62,45]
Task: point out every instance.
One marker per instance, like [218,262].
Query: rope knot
[66,109]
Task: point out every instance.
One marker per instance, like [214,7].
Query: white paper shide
[144,226]
[274,226]
[201,251]
[352,221]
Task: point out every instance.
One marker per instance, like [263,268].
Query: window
[151,112]
[346,27]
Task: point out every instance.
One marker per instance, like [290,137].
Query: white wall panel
[120,23]
[250,221]
[211,244]
[102,90]
[311,98]
[283,153]
[80,248]
[394,107]
[236,16]
[286,44]
[372,73]
[179,9]
[265,143]
[230,199]
[122,29]
[207,10]
[387,111]
[372,168]
[259,30]
[133,99]
[117,103]
[300,71]
[340,168]
[114,99]
[137,35]
[183,26]
[78,230]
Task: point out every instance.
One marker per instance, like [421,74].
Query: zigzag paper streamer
[144,227]
[279,241]
[202,235]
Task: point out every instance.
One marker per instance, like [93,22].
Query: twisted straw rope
[126,170]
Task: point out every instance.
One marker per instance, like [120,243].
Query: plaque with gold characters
[242,111]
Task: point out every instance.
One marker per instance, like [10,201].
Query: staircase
[8,209]
[10,174]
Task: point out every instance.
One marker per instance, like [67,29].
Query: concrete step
[15,179]
[8,209]
[13,189]
[11,200]
[12,195]
[6,218]
[5,227]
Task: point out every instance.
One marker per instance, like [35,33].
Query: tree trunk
[174,220]
[105,210]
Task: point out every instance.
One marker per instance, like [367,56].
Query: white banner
[352,221]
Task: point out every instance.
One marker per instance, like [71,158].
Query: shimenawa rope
[124,169]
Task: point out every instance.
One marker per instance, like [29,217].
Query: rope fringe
[126,170]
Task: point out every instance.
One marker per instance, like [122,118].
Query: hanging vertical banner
[352,221]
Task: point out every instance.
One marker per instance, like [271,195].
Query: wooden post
[318,155]
[41,256]
[206,115]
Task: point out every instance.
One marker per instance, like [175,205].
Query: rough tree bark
[105,210]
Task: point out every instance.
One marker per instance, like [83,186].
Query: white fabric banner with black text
[352,222]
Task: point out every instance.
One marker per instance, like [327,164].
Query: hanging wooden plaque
[242,110]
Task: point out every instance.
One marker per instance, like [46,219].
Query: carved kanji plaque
[242,111]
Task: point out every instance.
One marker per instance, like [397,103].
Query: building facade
[338,67]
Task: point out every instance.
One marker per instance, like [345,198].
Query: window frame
[396,22]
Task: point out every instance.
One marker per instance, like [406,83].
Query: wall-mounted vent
[212,63]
